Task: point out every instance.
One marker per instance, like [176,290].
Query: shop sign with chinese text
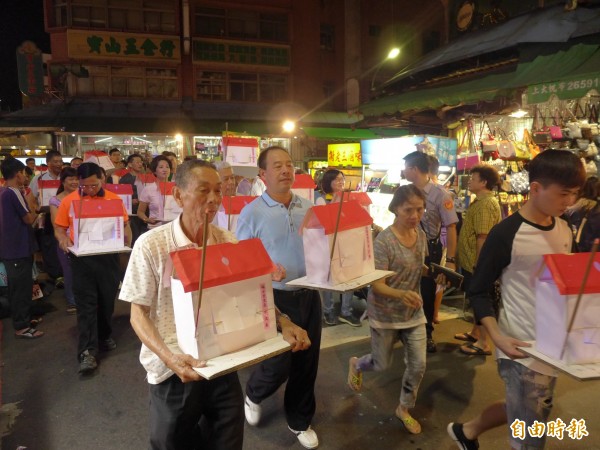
[344,155]
[30,69]
[102,44]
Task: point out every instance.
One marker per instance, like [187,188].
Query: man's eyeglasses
[89,187]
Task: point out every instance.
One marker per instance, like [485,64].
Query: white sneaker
[252,411]
[308,438]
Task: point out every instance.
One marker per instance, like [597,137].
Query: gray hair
[220,165]
[184,171]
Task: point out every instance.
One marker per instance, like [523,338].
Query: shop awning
[339,133]
[547,25]
[577,62]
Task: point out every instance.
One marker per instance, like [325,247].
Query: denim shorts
[528,398]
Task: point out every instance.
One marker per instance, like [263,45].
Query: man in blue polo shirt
[275,219]
[17,246]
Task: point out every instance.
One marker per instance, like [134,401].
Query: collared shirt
[65,219]
[156,203]
[481,216]
[278,229]
[144,284]
[44,176]
[16,237]
[439,210]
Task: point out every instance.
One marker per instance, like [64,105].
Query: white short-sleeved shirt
[144,284]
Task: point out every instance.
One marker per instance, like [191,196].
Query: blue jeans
[415,358]
[327,297]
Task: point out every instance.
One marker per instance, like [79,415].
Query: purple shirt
[16,237]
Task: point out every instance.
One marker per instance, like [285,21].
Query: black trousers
[48,245]
[95,285]
[299,368]
[20,287]
[138,227]
[428,286]
[207,414]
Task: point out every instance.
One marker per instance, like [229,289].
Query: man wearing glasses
[95,277]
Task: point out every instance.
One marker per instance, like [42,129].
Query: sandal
[410,423]
[472,349]
[354,376]
[36,321]
[29,333]
[465,337]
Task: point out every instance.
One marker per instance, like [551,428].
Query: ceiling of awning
[546,25]
[579,60]
[339,133]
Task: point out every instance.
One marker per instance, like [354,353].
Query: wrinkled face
[554,199]
[162,171]
[55,164]
[228,181]
[115,157]
[279,174]
[337,185]
[409,213]
[202,194]
[90,185]
[476,184]
[137,164]
[70,184]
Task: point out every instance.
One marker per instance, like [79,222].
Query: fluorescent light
[102,140]
[143,140]
[518,114]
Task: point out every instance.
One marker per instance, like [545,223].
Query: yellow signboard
[102,44]
[344,155]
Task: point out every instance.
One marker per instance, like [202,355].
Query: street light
[393,54]
[289,126]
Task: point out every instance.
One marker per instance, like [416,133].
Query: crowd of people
[561,215]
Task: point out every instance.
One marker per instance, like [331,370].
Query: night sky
[20,20]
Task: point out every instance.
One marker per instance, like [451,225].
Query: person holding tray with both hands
[151,208]
[395,305]
[180,399]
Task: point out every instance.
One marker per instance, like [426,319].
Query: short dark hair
[328,178]
[404,194]
[591,189]
[29,159]
[131,157]
[168,153]
[10,167]
[113,150]
[89,169]
[156,160]
[557,167]
[64,174]
[434,165]
[418,160]
[262,158]
[184,171]
[51,154]
[488,174]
